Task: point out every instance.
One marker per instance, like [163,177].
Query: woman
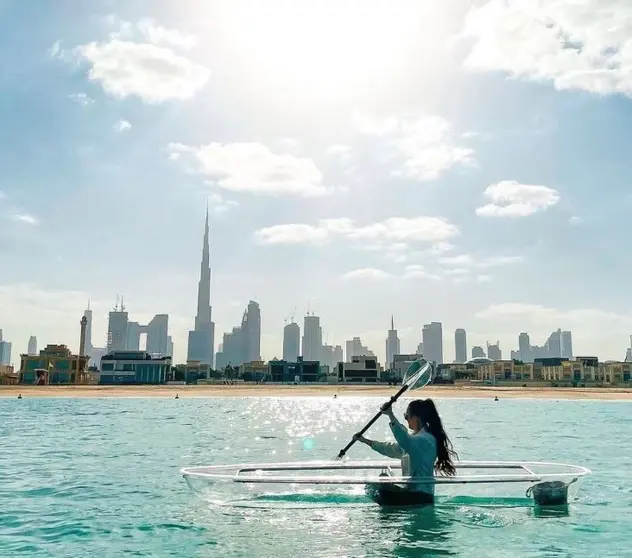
[426,450]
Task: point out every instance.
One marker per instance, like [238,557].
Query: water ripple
[99,477]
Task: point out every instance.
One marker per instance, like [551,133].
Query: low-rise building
[560,371]
[360,369]
[8,375]
[54,365]
[192,372]
[255,371]
[299,371]
[134,367]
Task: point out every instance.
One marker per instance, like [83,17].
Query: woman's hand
[387,409]
[360,438]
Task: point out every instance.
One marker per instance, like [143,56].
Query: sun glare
[321,46]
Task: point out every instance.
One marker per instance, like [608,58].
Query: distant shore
[249,390]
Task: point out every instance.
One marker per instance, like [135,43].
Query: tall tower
[392,345]
[291,342]
[158,335]
[82,336]
[432,338]
[567,344]
[32,347]
[117,328]
[312,343]
[88,314]
[202,337]
[252,332]
[460,345]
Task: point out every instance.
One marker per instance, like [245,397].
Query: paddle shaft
[370,423]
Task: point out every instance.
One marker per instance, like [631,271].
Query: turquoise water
[100,477]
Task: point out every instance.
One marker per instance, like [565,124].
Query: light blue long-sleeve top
[417,452]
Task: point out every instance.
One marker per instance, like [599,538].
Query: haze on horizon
[454,161]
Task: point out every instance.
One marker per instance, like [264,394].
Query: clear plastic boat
[541,483]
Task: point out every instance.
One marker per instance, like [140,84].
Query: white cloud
[81,98]
[289,145]
[218,204]
[393,232]
[291,234]
[367,274]
[343,152]
[122,125]
[25,218]
[583,45]
[253,168]
[575,220]
[459,268]
[157,34]
[512,199]
[55,49]
[426,146]
[416,271]
[469,261]
[154,74]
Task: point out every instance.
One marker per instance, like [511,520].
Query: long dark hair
[426,412]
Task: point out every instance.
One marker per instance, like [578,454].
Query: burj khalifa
[202,337]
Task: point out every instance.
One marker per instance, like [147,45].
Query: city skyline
[243,343]
[466,187]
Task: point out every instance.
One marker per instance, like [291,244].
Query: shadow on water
[551,511]
[424,531]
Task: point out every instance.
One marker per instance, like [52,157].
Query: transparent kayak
[541,483]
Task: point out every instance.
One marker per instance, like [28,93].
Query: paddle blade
[419,373]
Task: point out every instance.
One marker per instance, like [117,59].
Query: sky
[448,160]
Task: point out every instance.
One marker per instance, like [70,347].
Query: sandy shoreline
[311,390]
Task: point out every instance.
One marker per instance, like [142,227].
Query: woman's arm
[404,439]
[387,449]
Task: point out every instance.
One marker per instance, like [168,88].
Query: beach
[250,390]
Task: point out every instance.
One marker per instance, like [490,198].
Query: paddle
[417,376]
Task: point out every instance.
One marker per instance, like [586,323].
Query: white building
[432,339]
[291,342]
[460,345]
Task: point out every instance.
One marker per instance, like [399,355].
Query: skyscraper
[432,339]
[243,343]
[553,344]
[158,335]
[88,314]
[494,352]
[355,348]
[524,347]
[32,348]
[117,329]
[202,337]
[392,345]
[5,351]
[312,338]
[251,326]
[291,342]
[460,345]
[134,330]
[567,344]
